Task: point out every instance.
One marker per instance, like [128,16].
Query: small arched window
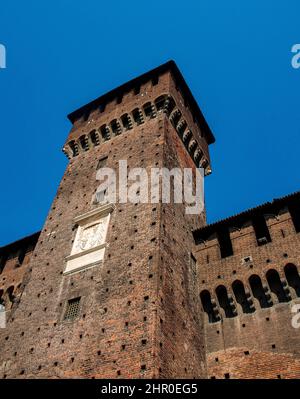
[292,277]
[276,285]
[224,301]
[241,297]
[208,306]
[160,103]
[137,116]
[84,142]
[149,110]
[94,136]
[169,106]
[74,148]
[258,291]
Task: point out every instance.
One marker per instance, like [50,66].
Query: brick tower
[111,290]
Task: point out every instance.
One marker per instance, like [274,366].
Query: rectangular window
[294,210]
[261,230]
[72,310]
[225,243]
[155,80]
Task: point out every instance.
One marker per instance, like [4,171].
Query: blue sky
[235,56]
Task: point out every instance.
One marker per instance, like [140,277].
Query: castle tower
[111,290]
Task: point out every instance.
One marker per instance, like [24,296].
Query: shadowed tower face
[112,288]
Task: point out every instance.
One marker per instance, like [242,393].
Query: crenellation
[243,239]
[252,290]
[138,116]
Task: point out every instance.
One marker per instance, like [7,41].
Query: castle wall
[14,270]
[254,338]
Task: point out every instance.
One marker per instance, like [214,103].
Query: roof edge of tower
[168,66]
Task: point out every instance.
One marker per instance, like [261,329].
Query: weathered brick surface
[271,343]
[258,365]
[139,314]
[15,270]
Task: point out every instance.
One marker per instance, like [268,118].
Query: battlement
[248,270]
[161,91]
[14,261]
[248,230]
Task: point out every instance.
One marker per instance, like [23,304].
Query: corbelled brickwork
[140,290]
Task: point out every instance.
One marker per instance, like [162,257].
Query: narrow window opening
[104,129]
[137,90]
[258,291]
[292,277]
[276,285]
[224,301]
[175,117]
[84,142]
[160,103]
[101,108]
[126,121]
[21,256]
[261,230]
[119,99]
[241,297]
[294,210]
[116,127]
[155,80]
[148,110]
[208,306]
[225,243]
[137,116]
[94,137]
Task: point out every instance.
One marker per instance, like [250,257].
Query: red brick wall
[15,260]
[139,316]
[271,344]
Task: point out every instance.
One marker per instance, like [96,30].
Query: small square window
[72,310]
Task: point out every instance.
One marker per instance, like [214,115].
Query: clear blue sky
[235,56]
